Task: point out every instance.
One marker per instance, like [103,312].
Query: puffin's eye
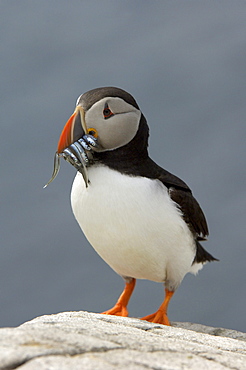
[107,112]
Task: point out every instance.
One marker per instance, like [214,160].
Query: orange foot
[117,310]
[160,316]
[120,308]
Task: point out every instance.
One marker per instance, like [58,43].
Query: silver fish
[55,170]
[76,156]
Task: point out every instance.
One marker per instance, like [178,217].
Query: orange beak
[73,130]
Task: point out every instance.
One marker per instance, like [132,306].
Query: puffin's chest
[131,222]
[114,202]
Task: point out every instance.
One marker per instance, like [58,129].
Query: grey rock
[82,340]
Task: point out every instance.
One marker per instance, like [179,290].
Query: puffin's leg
[120,307]
[160,316]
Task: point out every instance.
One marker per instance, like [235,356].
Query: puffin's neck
[130,156]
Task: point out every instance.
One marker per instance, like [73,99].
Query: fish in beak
[71,146]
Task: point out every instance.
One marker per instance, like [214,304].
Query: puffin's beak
[73,130]
[67,147]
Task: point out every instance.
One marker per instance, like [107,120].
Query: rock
[82,340]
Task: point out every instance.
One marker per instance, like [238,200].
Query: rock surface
[82,340]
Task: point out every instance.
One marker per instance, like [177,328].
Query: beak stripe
[74,127]
[66,135]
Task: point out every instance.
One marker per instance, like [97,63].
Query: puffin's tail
[202,256]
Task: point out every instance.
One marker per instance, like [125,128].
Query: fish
[76,155]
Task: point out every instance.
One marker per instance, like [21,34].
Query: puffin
[142,220]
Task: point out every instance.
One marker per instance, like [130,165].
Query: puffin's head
[108,113]
[113,117]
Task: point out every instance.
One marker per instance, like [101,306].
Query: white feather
[120,129]
[134,226]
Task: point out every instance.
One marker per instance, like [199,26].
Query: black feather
[202,255]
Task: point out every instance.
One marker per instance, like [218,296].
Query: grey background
[185,63]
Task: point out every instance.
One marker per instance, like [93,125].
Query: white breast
[133,225]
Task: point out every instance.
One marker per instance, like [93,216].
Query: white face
[115,121]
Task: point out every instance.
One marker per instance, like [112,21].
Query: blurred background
[184,62]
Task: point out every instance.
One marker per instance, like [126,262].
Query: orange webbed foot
[120,308]
[117,310]
[160,316]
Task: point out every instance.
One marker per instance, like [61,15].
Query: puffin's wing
[192,212]
[193,215]
[181,194]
